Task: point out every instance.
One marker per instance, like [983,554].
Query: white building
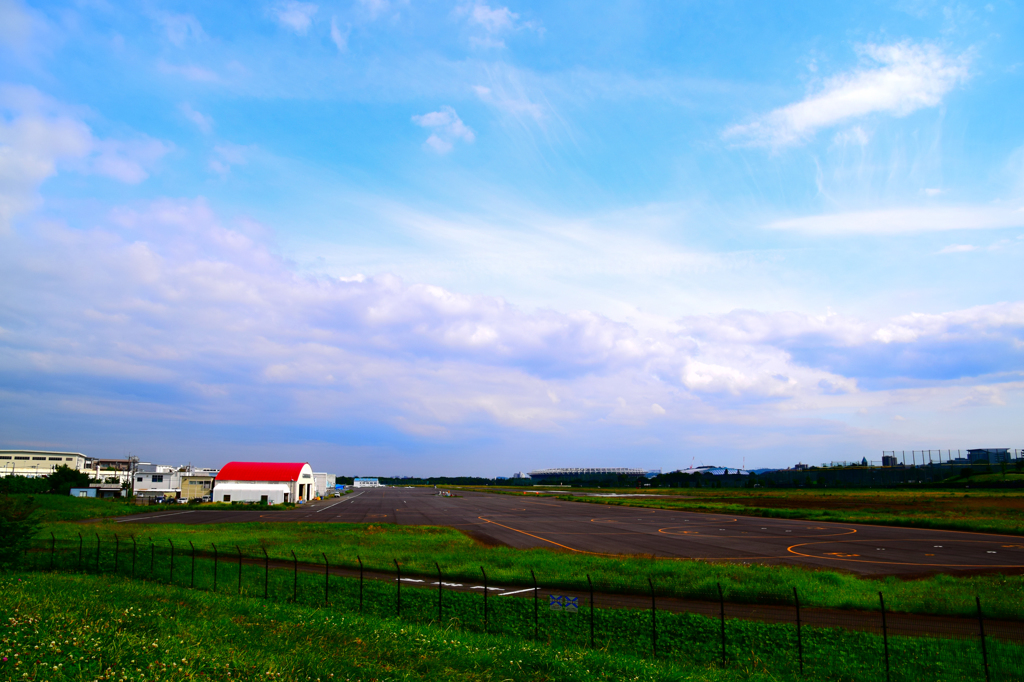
[366,483]
[324,484]
[38,463]
[264,482]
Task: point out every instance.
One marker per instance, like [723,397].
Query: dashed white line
[162,516]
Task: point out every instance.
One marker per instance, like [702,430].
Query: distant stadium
[589,474]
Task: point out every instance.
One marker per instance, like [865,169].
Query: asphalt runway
[529,521]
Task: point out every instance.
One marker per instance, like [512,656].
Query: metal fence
[642,616]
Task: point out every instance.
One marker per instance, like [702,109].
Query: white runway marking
[162,516]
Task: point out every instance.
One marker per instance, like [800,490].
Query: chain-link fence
[642,616]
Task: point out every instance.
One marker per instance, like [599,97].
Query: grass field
[55,508]
[418,547]
[65,626]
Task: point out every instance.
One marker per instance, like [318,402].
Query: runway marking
[792,550]
[505,594]
[557,544]
[346,499]
[162,516]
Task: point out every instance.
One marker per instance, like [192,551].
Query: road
[528,521]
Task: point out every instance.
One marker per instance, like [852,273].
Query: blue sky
[405,237]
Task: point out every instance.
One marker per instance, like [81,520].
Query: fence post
[398,582]
[80,543]
[485,597]
[97,552]
[237,549]
[192,576]
[799,638]
[981,629]
[721,604]
[214,566]
[591,586]
[327,580]
[439,616]
[360,583]
[885,636]
[266,571]
[53,548]
[117,553]
[135,547]
[535,611]
[654,620]
[295,578]
[171,542]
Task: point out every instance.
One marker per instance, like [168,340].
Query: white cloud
[339,39]
[180,28]
[906,220]
[185,305]
[297,16]
[898,80]
[959,248]
[491,23]
[192,72]
[375,8]
[227,155]
[201,121]
[38,135]
[493,20]
[446,127]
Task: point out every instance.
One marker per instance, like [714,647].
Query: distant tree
[64,478]
[17,526]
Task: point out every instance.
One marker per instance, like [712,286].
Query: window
[140,479]
[158,478]
[5,456]
[55,459]
[38,459]
[306,476]
[67,459]
[227,498]
[21,458]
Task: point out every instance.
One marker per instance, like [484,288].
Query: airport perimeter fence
[644,616]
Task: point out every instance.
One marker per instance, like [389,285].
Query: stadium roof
[585,471]
[261,471]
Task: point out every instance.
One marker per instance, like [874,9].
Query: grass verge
[417,548]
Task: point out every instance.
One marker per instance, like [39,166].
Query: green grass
[63,627]
[56,508]
[107,627]
[418,547]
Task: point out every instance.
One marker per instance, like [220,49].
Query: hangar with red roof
[264,482]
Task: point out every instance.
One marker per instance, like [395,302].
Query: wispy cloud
[906,220]
[897,80]
[39,134]
[339,37]
[201,121]
[297,16]
[492,23]
[446,127]
[192,72]
[180,28]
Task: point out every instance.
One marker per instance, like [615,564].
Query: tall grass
[417,548]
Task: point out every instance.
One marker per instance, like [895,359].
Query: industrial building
[366,483]
[585,474]
[38,463]
[264,482]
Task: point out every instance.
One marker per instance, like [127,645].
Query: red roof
[260,471]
